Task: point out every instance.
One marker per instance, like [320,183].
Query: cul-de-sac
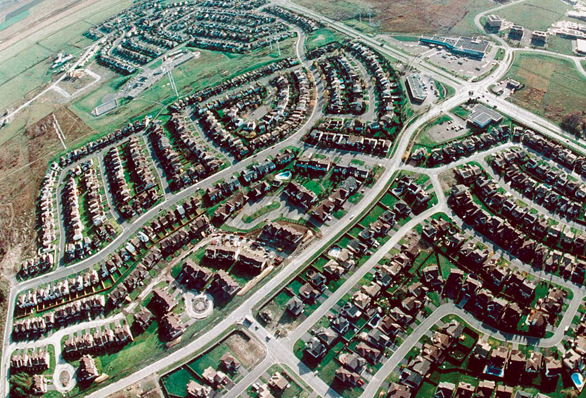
[293,198]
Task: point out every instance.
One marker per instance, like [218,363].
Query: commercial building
[493,22]
[415,88]
[516,32]
[539,38]
[581,46]
[483,116]
[473,47]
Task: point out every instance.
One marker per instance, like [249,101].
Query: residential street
[280,350]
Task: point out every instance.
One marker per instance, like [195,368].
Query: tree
[573,122]
[20,385]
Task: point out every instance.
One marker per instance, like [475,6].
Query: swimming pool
[578,380]
[334,251]
[285,175]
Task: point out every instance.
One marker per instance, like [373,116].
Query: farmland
[553,85]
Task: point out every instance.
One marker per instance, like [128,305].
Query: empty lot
[553,85]
[408,16]
[535,14]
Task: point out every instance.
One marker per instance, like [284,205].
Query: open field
[535,14]
[553,85]
[209,68]
[321,37]
[28,46]
[23,162]
[410,17]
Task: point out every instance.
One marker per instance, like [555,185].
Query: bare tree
[573,122]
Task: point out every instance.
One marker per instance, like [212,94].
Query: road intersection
[280,350]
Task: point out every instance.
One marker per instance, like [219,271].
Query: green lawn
[295,285]
[321,37]
[313,186]
[560,45]
[355,198]
[389,200]
[282,298]
[461,112]
[343,242]
[339,213]
[176,383]
[144,345]
[535,14]
[320,262]
[209,359]
[355,231]
[372,216]
[445,265]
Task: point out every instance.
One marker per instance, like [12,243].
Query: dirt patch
[245,348]
[146,388]
[447,180]
[24,160]
[73,84]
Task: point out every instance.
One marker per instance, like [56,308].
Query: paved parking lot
[463,66]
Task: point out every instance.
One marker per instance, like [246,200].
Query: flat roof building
[493,22]
[538,37]
[483,116]
[517,31]
[415,87]
[581,46]
[474,47]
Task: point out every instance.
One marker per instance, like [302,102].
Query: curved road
[391,165]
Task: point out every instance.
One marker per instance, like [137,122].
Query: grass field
[144,345]
[24,66]
[321,37]
[176,382]
[560,45]
[208,69]
[535,14]
[553,85]
[407,16]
